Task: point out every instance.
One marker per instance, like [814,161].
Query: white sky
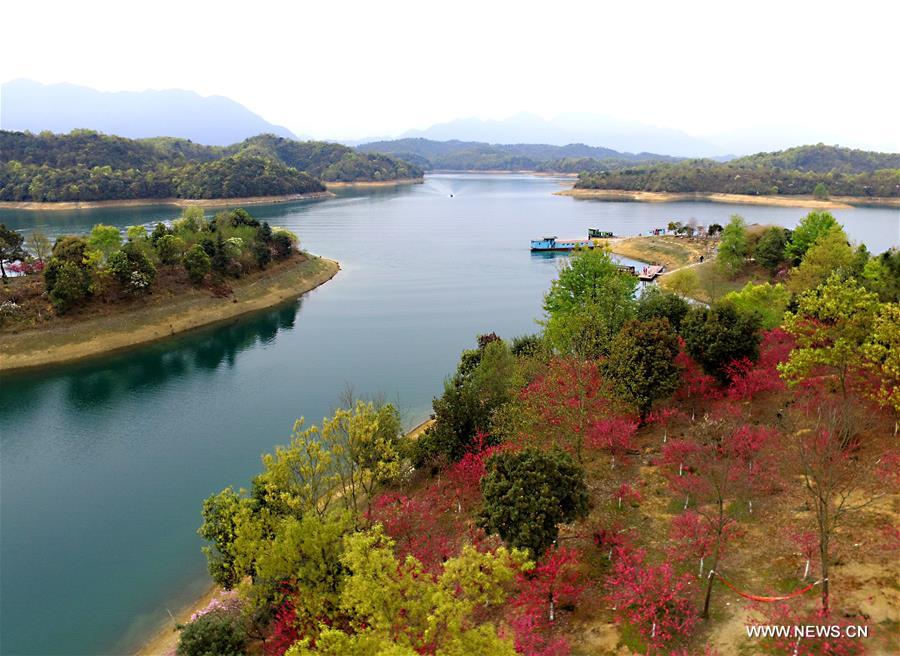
[347,69]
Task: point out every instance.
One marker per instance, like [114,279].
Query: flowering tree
[614,435]
[652,598]
[749,379]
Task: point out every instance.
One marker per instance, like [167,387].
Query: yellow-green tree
[883,354]
[396,607]
[828,254]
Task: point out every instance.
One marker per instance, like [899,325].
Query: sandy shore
[373,183]
[109,333]
[835,202]
[176,202]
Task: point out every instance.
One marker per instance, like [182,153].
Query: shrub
[132,268]
[170,248]
[212,634]
[717,336]
[262,254]
[70,249]
[197,263]
[67,283]
[527,495]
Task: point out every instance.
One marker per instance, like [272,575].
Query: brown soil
[373,183]
[177,202]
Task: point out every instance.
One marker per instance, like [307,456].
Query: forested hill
[85,166]
[807,170]
[823,159]
[479,156]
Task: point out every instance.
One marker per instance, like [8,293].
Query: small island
[84,168]
[87,296]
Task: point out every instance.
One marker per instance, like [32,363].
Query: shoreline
[163,641]
[364,184]
[109,334]
[835,202]
[150,202]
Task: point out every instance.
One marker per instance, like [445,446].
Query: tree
[683,282]
[527,495]
[213,634]
[714,229]
[39,245]
[770,249]
[821,191]
[733,246]
[10,247]
[882,353]
[831,325]
[641,364]
[396,608]
[104,240]
[67,283]
[767,300]
[654,303]
[587,304]
[715,337]
[222,513]
[132,268]
[170,248]
[197,263]
[830,253]
[813,226]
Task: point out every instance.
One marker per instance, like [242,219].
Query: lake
[105,463]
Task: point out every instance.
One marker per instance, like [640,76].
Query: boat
[546,244]
[594,233]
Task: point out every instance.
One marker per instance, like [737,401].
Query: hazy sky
[345,69]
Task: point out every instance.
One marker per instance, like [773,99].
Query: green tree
[717,336]
[881,275]
[67,283]
[831,325]
[104,240]
[222,514]
[770,249]
[132,268]
[528,494]
[654,303]
[767,300]
[170,248]
[588,304]
[733,246]
[810,229]
[683,282]
[641,364]
[10,247]
[830,253]
[396,608]
[821,191]
[882,353]
[197,263]
[70,249]
[213,634]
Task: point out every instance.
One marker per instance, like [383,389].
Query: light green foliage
[683,282]
[641,363]
[882,352]
[528,494]
[197,263]
[733,247]
[831,325]
[136,233]
[588,304]
[170,249]
[397,608]
[222,514]
[810,229]
[768,300]
[830,253]
[820,191]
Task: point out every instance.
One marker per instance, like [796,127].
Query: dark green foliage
[213,634]
[262,254]
[715,337]
[132,268]
[70,249]
[820,191]
[881,274]
[526,345]
[657,304]
[221,262]
[67,283]
[220,516]
[85,165]
[208,246]
[282,245]
[10,247]
[159,231]
[641,363]
[770,249]
[839,171]
[484,380]
[169,247]
[528,494]
[197,263]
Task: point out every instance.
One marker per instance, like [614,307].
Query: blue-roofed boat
[557,244]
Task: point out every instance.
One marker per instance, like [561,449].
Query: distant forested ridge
[816,170]
[478,156]
[88,166]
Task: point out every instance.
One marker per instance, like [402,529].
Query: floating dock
[651,272]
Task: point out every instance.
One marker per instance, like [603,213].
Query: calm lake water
[105,464]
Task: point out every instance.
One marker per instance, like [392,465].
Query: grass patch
[674,252]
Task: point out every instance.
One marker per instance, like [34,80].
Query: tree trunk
[823,555]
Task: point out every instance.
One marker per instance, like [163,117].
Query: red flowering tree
[751,378]
[653,599]
[795,614]
[615,435]
[717,465]
[698,388]
[625,494]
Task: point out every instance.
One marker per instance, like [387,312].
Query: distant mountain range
[478,156]
[60,108]
[572,128]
